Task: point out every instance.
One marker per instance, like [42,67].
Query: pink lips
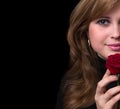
[114,47]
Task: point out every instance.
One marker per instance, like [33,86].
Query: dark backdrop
[37,51]
[58,49]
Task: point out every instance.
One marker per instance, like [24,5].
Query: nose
[116,31]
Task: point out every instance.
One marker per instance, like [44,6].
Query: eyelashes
[103,22]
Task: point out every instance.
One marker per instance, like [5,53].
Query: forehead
[113,11]
[116,9]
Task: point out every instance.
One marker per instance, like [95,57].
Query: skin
[105,32]
[104,37]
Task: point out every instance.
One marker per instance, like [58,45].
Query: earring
[88,42]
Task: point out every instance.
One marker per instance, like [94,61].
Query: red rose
[113,63]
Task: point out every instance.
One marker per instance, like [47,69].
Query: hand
[107,99]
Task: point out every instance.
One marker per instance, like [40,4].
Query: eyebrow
[105,17]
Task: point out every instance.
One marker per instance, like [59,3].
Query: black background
[57,54]
[36,51]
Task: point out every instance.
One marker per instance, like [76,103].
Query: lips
[114,47]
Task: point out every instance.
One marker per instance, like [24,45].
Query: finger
[111,92]
[107,73]
[113,101]
[101,86]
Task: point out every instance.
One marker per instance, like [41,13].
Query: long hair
[80,81]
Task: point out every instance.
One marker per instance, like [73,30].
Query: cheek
[95,37]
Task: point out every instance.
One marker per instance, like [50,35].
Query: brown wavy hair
[80,81]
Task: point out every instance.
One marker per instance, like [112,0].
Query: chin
[112,53]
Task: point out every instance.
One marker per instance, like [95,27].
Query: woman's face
[104,33]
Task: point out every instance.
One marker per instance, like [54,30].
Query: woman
[93,35]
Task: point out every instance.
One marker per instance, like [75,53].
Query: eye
[103,21]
